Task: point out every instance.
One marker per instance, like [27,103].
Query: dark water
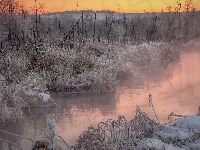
[176,89]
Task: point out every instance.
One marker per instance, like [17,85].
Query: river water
[175,89]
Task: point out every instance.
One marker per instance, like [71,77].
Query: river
[175,89]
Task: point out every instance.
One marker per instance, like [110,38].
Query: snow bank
[188,122]
[158,145]
[182,134]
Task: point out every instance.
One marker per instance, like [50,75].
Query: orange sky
[116,5]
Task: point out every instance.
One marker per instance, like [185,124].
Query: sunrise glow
[129,6]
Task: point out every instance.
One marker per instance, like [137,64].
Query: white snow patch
[158,144]
[177,134]
[45,97]
[149,45]
[188,122]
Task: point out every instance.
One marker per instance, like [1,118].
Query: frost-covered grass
[92,67]
[83,55]
[23,94]
[85,68]
[89,54]
[39,55]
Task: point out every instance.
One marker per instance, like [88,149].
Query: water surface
[175,89]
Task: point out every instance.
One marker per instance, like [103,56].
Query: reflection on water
[176,89]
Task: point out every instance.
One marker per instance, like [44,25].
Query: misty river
[175,89]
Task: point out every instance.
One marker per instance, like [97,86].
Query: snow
[179,135]
[157,144]
[195,146]
[45,97]
[52,132]
[149,45]
[187,122]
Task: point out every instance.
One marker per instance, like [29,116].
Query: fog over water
[175,89]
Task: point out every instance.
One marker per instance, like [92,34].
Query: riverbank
[171,90]
[110,65]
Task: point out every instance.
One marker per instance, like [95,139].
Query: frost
[188,122]
[52,132]
[11,114]
[45,97]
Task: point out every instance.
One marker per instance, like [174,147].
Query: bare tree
[150,32]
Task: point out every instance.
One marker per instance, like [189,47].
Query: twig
[151,104]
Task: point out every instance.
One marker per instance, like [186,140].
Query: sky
[127,6]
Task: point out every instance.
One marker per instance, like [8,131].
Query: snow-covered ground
[182,134]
